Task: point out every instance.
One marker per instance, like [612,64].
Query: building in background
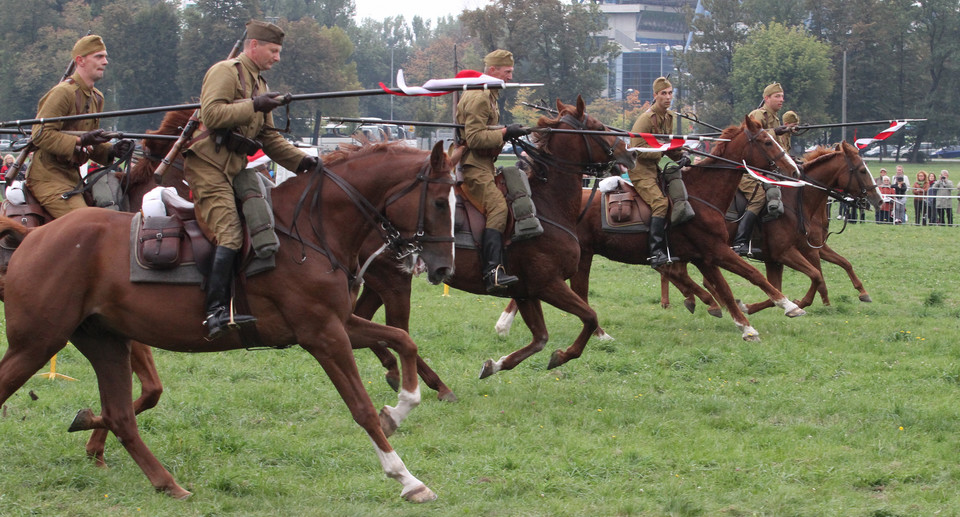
[648,32]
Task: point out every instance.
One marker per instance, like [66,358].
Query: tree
[210,29]
[717,31]
[797,61]
[552,43]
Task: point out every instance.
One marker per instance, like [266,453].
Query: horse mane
[543,139]
[717,150]
[346,151]
[172,124]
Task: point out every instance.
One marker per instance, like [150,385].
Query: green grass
[850,410]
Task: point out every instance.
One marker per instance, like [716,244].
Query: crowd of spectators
[932,196]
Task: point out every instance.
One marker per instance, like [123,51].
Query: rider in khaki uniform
[235,106]
[751,187]
[55,168]
[476,110]
[658,120]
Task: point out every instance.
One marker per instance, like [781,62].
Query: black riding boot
[494,275]
[218,295]
[744,232]
[658,242]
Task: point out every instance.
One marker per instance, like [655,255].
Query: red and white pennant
[771,181]
[883,135]
[657,147]
[463,78]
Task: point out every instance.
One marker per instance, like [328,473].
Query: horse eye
[441,203]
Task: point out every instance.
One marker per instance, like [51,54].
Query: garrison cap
[791,117]
[772,89]
[661,83]
[264,31]
[499,57]
[87,45]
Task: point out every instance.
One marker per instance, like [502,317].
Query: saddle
[469,221]
[621,208]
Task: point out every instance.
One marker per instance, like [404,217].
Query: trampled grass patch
[850,410]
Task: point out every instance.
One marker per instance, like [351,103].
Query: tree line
[902,57]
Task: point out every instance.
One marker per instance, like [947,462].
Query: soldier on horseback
[476,110]
[55,169]
[755,192]
[659,120]
[236,120]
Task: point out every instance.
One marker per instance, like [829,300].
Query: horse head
[857,173]
[581,153]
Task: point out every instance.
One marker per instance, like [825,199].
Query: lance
[612,131]
[109,134]
[194,121]
[695,119]
[866,123]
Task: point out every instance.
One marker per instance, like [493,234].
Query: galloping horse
[702,240]
[306,300]
[543,264]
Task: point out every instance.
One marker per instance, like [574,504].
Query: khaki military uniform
[476,110]
[55,167]
[226,103]
[752,188]
[644,173]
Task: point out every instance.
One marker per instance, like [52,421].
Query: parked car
[946,152]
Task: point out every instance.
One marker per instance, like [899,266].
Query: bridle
[545,160]
[400,245]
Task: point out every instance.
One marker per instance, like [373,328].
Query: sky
[427,9]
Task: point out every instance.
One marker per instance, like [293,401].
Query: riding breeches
[481,190]
[214,198]
[649,190]
[48,195]
[753,191]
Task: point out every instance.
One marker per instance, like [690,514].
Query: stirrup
[497,279]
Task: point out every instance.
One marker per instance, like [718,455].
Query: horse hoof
[421,494]
[393,382]
[387,424]
[793,313]
[177,492]
[716,313]
[665,305]
[866,298]
[446,396]
[755,338]
[690,305]
[488,369]
[742,306]
[82,422]
[601,335]
[556,359]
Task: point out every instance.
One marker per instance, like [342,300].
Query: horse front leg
[827,253]
[330,345]
[144,367]
[721,290]
[727,259]
[532,313]
[580,284]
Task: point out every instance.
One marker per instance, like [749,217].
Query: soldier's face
[775,101]
[504,73]
[264,54]
[663,98]
[92,66]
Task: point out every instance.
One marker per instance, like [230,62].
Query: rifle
[193,123]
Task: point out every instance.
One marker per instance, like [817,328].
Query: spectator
[919,203]
[899,200]
[931,199]
[883,174]
[886,192]
[7,163]
[944,198]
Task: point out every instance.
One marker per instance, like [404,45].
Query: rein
[393,240]
[546,160]
[86,183]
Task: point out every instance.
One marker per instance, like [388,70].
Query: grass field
[850,410]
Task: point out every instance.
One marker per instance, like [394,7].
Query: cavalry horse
[702,240]
[798,237]
[543,264]
[322,217]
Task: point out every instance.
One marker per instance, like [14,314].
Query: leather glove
[97,136]
[309,164]
[790,128]
[515,131]
[270,101]
[121,148]
[684,161]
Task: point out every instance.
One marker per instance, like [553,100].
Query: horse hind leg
[141,360]
[110,357]
[24,358]
[532,313]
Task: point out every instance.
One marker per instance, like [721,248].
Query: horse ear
[751,123]
[581,106]
[453,156]
[559,106]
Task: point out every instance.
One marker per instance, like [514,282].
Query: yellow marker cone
[52,374]
[446,290]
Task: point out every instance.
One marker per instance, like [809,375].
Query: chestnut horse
[307,299]
[702,240]
[798,237]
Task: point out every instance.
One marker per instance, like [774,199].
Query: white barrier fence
[904,209]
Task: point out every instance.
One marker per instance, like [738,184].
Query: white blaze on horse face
[453,216]
[796,170]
